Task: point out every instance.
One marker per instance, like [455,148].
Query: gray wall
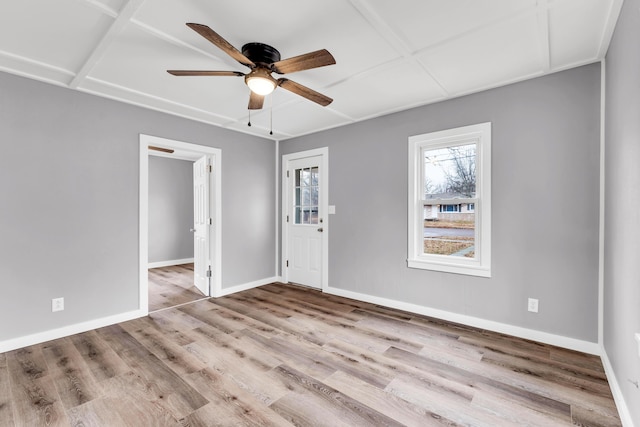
[170,209]
[545,201]
[69,173]
[622,205]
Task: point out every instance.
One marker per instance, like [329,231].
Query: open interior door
[202,170]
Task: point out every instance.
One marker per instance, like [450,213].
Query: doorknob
[193,230]
[320,229]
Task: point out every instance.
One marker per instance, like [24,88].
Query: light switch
[638,341]
[332,209]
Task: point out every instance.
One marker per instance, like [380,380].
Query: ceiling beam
[610,26]
[543,35]
[123,18]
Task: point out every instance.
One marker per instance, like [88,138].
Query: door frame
[183,151]
[323,153]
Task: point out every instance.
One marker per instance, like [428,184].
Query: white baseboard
[15,343]
[247,286]
[168,263]
[618,397]
[503,328]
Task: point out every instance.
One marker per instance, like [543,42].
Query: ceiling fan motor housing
[260,53]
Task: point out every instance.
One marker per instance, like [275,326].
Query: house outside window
[450,200]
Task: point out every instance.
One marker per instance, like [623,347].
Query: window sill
[469,270]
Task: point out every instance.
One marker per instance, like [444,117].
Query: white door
[202,170]
[305,221]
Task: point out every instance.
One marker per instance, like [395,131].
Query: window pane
[449,232]
[449,227]
[306,196]
[450,172]
[305,177]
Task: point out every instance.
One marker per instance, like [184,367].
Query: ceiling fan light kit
[260,81]
[263,60]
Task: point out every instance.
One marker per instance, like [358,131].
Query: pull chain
[271,116]
[249,124]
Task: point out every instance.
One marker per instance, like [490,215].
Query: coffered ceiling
[390,55]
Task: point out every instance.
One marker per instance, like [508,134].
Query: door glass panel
[306,196]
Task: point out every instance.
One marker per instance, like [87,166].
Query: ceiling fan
[263,60]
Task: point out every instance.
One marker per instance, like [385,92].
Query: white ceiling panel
[390,55]
[486,57]
[58,33]
[424,23]
[372,94]
[575,30]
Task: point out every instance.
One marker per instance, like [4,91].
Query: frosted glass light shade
[261,85]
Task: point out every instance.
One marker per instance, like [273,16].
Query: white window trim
[481,266]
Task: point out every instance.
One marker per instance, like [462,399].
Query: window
[306,188]
[449,208]
[450,200]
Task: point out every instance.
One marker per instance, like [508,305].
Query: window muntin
[306,196]
[449,200]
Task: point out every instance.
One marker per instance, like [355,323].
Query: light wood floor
[171,286]
[282,355]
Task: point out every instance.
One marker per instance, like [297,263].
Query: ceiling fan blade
[319,58]
[205,73]
[224,45]
[305,92]
[255,101]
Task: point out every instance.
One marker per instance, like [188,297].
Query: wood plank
[344,328]
[229,401]
[102,361]
[6,402]
[35,398]
[387,403]
[314,403]
[172,354]
[228,358]
[168,388]
[71,376]
[312,361]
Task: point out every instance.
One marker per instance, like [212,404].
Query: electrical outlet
[533,305]
[638,341]
[57,304]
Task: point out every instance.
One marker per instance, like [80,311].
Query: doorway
[208,247]
[305,218]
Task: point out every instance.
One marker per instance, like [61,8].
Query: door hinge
[209,272]
[287,218]
[210,221]
[287,263]
[287,174]
[210,168]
